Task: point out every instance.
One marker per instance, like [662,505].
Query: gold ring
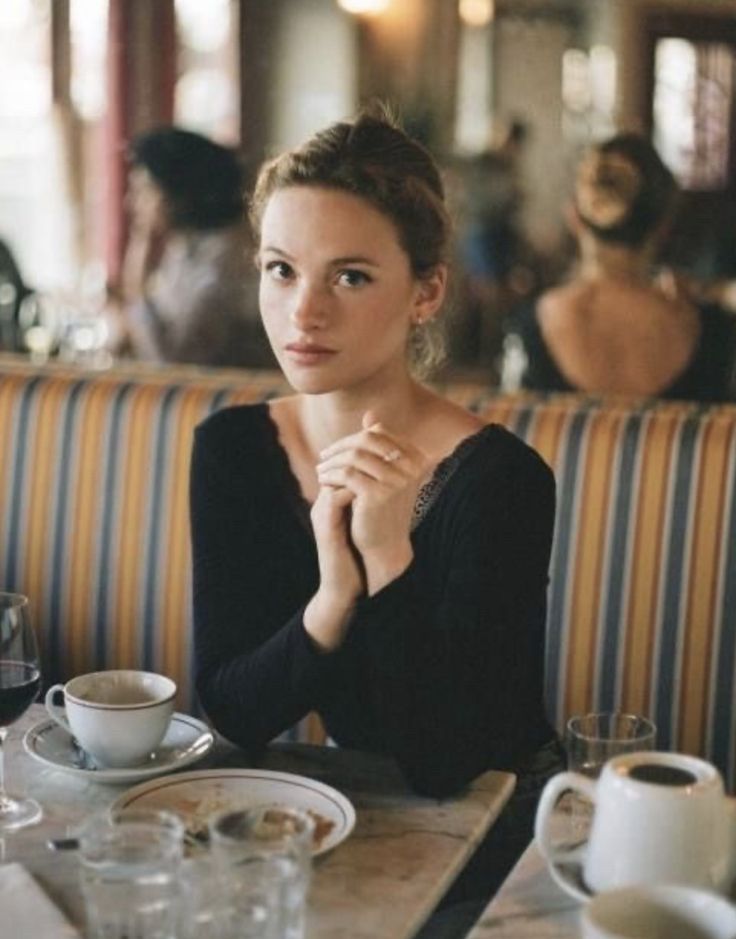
[392,455]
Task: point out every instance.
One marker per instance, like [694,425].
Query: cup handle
[54,711]
[557,785]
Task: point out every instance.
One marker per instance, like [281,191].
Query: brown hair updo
[623,190]
[373,158]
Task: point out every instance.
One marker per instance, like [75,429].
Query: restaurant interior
[507,95]
[468,78]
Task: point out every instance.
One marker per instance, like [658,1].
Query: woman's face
[146,202]
[337,293]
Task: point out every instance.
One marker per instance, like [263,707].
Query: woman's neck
[613,262]
[328,417]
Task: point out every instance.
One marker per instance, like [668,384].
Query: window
[692,104]
[206,97]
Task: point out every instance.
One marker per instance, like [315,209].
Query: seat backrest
[642,599]
[94,518]
[94,527]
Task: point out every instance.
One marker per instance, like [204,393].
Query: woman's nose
[309,311]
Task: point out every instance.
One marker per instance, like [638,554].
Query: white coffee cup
[119,716]
[657,818]
[661,910]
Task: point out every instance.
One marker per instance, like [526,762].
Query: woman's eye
[279,270]
[353,278]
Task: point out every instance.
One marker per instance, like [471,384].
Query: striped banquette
[642,602]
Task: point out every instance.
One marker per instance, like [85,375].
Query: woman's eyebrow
[355,259]
[333,262]
[276,250]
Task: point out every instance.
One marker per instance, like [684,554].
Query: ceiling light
[476,12]
[364,7]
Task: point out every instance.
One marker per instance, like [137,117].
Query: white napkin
[27,910]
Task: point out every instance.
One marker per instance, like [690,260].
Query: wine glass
[20,680]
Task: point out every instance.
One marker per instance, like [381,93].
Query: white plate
[197,795]
[187,740]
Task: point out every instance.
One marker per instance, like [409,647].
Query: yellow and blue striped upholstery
[642,605]
[94,522]
[642,600]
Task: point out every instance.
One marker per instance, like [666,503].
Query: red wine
[19,684]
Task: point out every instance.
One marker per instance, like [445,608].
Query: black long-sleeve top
[442,668]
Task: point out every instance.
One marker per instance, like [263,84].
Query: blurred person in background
[13,292]
[612,328]
[188,290]
[495,256]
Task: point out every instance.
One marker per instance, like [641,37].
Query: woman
[186,273]
[611,328]
[365,548]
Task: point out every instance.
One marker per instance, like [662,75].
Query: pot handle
[559,854]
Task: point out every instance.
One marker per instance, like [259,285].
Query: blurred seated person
[189,287]
[612,328]
[13,292]
[493,250]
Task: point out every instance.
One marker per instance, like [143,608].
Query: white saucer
[567,873]
[187,740]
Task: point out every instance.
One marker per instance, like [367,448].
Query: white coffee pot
[657,818]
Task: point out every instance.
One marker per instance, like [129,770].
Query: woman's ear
[572,219]
[429,295]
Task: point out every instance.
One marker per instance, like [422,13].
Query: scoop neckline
[428,492]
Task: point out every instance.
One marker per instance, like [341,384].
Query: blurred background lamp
[364,7]
[476,12]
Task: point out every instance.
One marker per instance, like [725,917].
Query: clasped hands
[362,515]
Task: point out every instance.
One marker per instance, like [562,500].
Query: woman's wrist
[326,619]
[384,566]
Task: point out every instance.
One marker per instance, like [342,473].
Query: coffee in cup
[119,716]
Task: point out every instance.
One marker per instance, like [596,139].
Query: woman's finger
[375,440]
[377,466]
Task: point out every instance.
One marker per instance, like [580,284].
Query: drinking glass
[203,900]
[591,740]
[265,856]
[130,874]
[20,681]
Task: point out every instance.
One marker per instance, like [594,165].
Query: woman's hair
[373,158]
[623,190]
[202,181]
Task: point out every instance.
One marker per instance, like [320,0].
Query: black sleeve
[257,671]
[457,674]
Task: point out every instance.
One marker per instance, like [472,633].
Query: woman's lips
[307,353]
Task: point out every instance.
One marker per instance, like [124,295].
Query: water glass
[591,740]
[130,863]
[265,855]
[202,907]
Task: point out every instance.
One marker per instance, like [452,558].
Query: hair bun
[606,188]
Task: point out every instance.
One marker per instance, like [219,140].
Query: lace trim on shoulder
[430,491]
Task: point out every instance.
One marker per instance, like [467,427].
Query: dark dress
[442,668]
[710,374]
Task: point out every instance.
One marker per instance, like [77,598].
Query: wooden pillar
[257,29]
[141,73]
[69,126]
[408,58]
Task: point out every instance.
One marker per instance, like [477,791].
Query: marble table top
[383,880]
[529,905]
